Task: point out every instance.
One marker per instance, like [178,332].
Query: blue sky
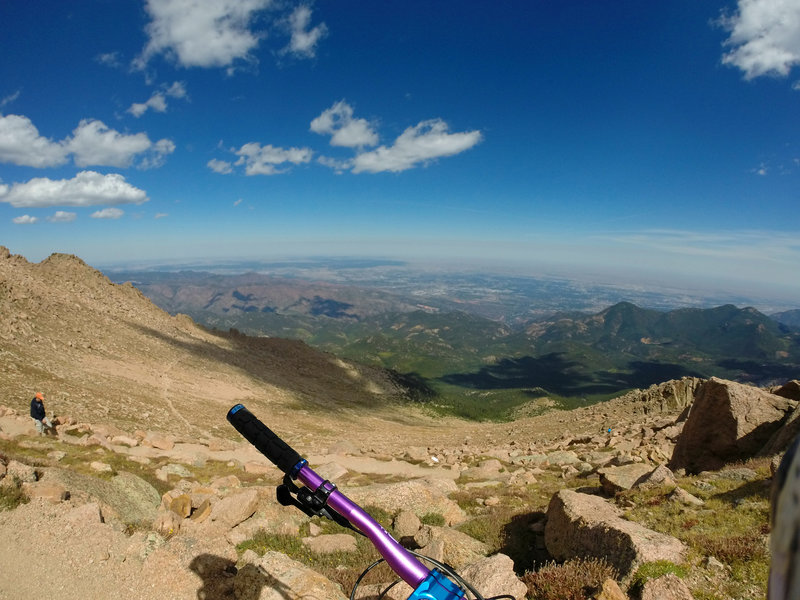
[653,138]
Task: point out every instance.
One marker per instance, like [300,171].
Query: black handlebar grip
[262,437]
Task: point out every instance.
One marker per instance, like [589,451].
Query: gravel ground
[61,551]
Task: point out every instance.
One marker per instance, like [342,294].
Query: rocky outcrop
[584,526]
[670,397]
[728,421]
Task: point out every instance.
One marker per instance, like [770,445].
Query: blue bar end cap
[437,587]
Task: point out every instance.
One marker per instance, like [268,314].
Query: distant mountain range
[790,318]
[461,357]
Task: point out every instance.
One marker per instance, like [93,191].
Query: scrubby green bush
[434,519]
[578,579]
[12,495]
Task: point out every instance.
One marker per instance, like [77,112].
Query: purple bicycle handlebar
[402,562]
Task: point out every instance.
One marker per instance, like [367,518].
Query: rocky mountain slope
[101,351]
[144,491]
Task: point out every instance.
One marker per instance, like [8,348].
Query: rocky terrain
[144,491]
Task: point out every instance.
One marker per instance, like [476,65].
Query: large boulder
[670,397]
[584,526]
[275,576]
[234,509]
[493,576]
[728,422]
[618,479]
[781,439]
[449,545]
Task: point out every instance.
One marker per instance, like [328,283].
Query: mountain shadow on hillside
[558,375]
[759,373]
[283,362]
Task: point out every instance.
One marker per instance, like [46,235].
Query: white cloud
[61,216]
[109,59]
[21,144]
[108,213]
[764,37]
[265,160]
[93,143]
[340,166]
[220,166]
[338,122]
[9,99]
[25,220]
[237,202]
[161,215]
[87,188]
[158,101]
[199,33]
[304,40]
[157,155]
[426,141]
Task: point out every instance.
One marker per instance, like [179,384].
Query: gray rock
[16,470]
[583,526]
[493,576]
[406,524]
[618,479]
[453,547]
[234,509]
[563,457]
[728,422]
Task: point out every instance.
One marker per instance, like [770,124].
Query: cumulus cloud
[107,213]
[425,141]
[304,40]
[338,122]
[764,37]
[220,166]
[21,144]
[266,160]
[25,220]
[93,143]
[198,33]
[161,215]
[87,188]
[61,216]
[158,101]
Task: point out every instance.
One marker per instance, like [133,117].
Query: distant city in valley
[489,291]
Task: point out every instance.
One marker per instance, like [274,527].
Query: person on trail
[38,415]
